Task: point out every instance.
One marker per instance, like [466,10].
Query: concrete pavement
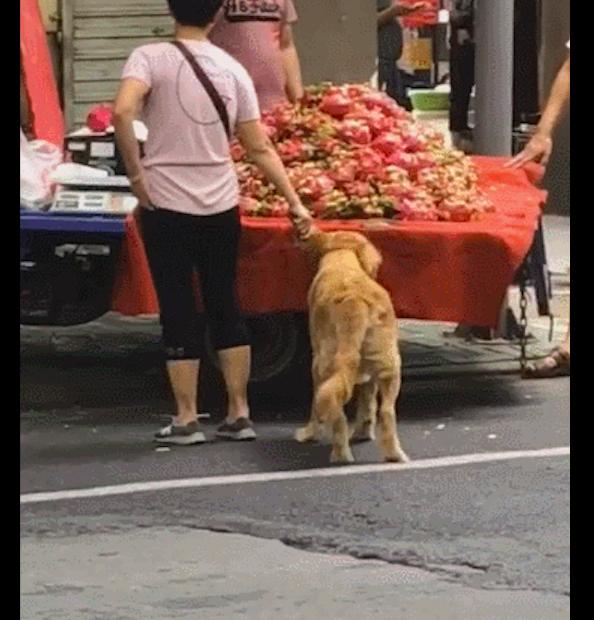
[189,574]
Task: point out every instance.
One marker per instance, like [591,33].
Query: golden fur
[353,333]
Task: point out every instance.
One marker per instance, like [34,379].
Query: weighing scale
[99,196]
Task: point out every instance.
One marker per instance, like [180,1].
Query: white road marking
[278,476]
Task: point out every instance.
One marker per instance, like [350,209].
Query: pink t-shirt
[187,164]
[250,31]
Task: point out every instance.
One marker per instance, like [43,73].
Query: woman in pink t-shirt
[258,33]
[188,193]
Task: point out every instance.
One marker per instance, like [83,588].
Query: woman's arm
[262,152]
[557,101]
[291,64]
[540,147]
[388,15]
[128,106]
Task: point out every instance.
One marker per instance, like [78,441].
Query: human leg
[217,257]
[167,237]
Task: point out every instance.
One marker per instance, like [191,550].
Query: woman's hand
[419,6]
[538,149]
[410,9]
[139,190]
[302,220]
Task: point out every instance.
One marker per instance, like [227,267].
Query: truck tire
[280,359]
[64,293]
[275,342]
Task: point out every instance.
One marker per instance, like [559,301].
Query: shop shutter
[98,36]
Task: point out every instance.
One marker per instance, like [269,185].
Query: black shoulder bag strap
[209,87]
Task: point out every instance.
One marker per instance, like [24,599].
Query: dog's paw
[362,434]
[341,457]
[397,457]
[305,435]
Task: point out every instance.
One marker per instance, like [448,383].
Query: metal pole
[494,78]
[494,37]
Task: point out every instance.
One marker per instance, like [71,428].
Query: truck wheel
[64,294]
[276,340]
[281,367]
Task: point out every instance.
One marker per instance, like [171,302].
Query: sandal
[555,364]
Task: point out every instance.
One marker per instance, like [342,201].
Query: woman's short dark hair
[199,13]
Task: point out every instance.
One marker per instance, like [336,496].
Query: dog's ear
[369,258]
[316,242]
[338,240]
[313,246]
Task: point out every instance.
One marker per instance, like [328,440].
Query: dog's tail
[337,389]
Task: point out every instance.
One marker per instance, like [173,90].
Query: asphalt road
[485,539]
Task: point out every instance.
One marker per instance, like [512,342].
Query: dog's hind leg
[341,451]
[364,427]
[329,402]
[389,443]
[350,316]
[311,431]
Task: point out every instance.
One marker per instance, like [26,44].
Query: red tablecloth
[436,271]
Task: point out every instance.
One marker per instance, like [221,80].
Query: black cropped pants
[178,246]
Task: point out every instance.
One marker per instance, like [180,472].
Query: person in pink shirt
[258,33]
[193,97]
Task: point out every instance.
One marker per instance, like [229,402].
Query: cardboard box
[417,54]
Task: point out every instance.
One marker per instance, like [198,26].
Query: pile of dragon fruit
[352,153]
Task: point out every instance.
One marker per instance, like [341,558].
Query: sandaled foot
[555,364]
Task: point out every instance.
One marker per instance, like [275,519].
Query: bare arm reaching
[541,145]
[261,150]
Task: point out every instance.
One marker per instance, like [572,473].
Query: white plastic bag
[66,173]
[38,160]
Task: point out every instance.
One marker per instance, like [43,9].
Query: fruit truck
[70,256]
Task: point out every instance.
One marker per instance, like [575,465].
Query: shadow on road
[137,380]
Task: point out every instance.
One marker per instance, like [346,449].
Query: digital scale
[99,196]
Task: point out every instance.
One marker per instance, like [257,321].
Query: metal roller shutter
[98,36]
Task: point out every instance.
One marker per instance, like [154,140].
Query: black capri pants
[177,247]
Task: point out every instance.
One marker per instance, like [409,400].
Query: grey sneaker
[187,435]
[240,430]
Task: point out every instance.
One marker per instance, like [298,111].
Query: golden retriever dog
[353,333]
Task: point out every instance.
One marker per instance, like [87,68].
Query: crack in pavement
[483,576]
[184,572]
[453,570]
[471,574]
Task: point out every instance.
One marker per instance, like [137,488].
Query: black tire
[70,287]
[63,295]
[281,360]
